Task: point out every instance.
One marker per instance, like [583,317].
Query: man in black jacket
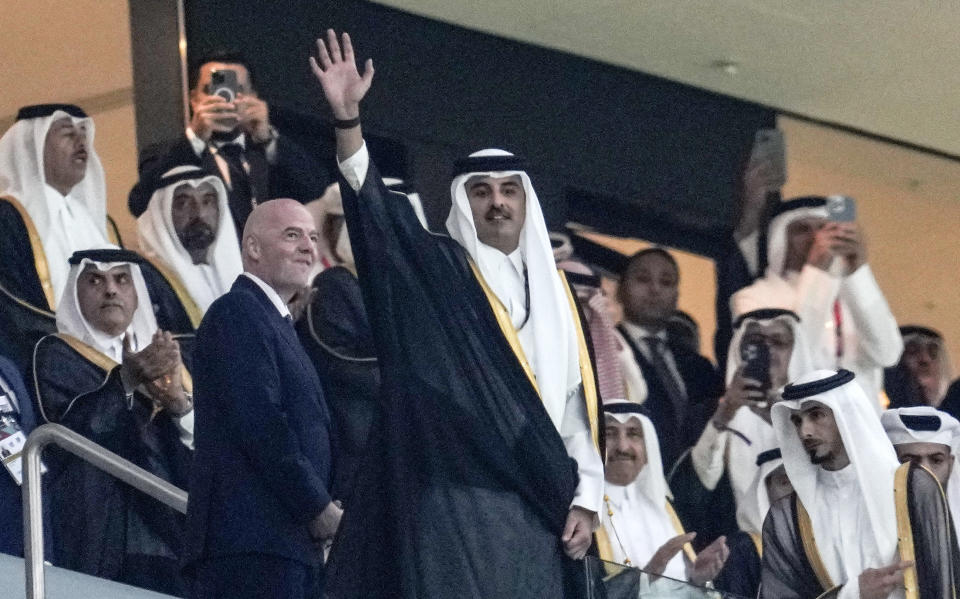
[682,385]
[230,135]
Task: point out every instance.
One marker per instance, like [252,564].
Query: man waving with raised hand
[484,475]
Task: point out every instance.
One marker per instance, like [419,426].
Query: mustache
[494,212]
[623,455]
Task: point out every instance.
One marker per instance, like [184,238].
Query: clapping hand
[154,361]
[666,552]
[157,368]
[710,561]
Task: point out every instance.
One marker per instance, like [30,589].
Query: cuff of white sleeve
[184,426]
[354,168]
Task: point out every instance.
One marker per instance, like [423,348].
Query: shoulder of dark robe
[785,572]
[335,333]
[18,274]
[167,307]
[951,401]
[459,413]
[336,320]
[711,513]
[95,507]
[90,400]
[935,549]
[741,572]
[901,388]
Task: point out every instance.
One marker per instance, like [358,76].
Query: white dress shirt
[271,293]
[842,538]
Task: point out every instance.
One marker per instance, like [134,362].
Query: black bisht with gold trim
[466,484]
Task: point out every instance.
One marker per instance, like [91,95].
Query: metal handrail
[94,454]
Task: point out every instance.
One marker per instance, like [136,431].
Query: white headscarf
[645,525]
[552,344]
[946,432]
[64,225]
[752,511]
[945,364]
[871,455]
[158,238]
[70,319]
[742,457]
[777,230]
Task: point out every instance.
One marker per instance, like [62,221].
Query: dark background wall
[628,153]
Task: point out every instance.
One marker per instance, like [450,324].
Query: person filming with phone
[768,350]
[230,135]
[817,267]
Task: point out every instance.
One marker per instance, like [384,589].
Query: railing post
[33,516]
[93,454]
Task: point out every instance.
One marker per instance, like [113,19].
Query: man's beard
[817,460]
[197,235]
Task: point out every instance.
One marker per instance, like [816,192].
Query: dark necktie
[240,193]
[233,155]
[670,384]
[289,319]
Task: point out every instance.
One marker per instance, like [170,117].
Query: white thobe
[71,229]
[870,337]
[843,533]
[638,528]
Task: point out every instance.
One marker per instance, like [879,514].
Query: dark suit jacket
[704,386]
[11,513]
[262,462]
[292,175]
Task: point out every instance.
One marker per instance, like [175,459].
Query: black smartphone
[223,83]
[841,209]
[756,363]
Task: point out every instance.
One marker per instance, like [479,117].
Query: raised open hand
[342,83]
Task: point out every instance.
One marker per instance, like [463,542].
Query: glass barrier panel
[609,580]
